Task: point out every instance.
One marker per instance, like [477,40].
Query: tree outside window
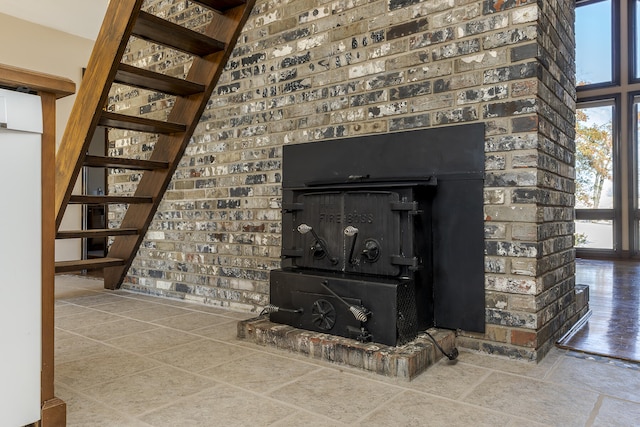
[594,151]
[594,174]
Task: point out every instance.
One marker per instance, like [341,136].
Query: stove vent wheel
[323,314]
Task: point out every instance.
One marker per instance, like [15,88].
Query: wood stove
[372,230]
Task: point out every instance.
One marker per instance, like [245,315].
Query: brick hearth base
[406,361]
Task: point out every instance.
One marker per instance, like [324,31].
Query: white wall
[34,47]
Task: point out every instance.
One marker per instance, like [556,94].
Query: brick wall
[304,72]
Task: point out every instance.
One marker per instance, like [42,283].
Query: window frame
[632,49]
[633,161]
[626,241]
[615,47]
[614,214]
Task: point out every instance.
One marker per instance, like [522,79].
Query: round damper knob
[371,251]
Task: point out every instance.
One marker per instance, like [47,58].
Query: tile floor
[125,359]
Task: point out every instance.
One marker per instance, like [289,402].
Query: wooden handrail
[13,77]
[49,88]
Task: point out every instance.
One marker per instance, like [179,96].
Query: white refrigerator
[20,257]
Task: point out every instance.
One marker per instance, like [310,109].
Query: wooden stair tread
[123,163]
[88,264]
[145,79]
[100,200]
[151,28]
[97,232]
[122,121]
[220,5]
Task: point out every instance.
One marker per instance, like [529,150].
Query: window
[635,156]
[594,176]
[635,34]
[594,161]
[606,160]
[594,47]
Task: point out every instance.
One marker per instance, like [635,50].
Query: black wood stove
[374,227]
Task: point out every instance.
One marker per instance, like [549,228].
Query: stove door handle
[304,229]
[351,231]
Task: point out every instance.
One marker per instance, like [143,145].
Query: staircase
[210,51]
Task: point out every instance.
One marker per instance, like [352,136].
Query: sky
[593,64]
[593,42]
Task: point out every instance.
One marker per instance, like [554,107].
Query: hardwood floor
[614,298]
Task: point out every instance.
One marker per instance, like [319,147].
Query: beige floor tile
[340,396]
[192,320]
[447,379]
[520,367]
[90,371]
[152,341]
[618,413]
[142,392]
[267,386]
[61,335]
[227,331]
[77,347]
[83,412]
[79,281]
[110,330]
[240,315]
[69,310]
[85,319]
[300,418]
[155,312]
[67,286]
[123,305]
[417,409]
[207,308]
[184,303]
[94,299]
[146,297]
[62,291]
[521,422]
[259,372]
[597,376]
[199,306]
[190,305]
[220,406]
[534,400]
[200,355]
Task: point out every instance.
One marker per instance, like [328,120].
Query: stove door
[351,231]
[319,231]
[375,234]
